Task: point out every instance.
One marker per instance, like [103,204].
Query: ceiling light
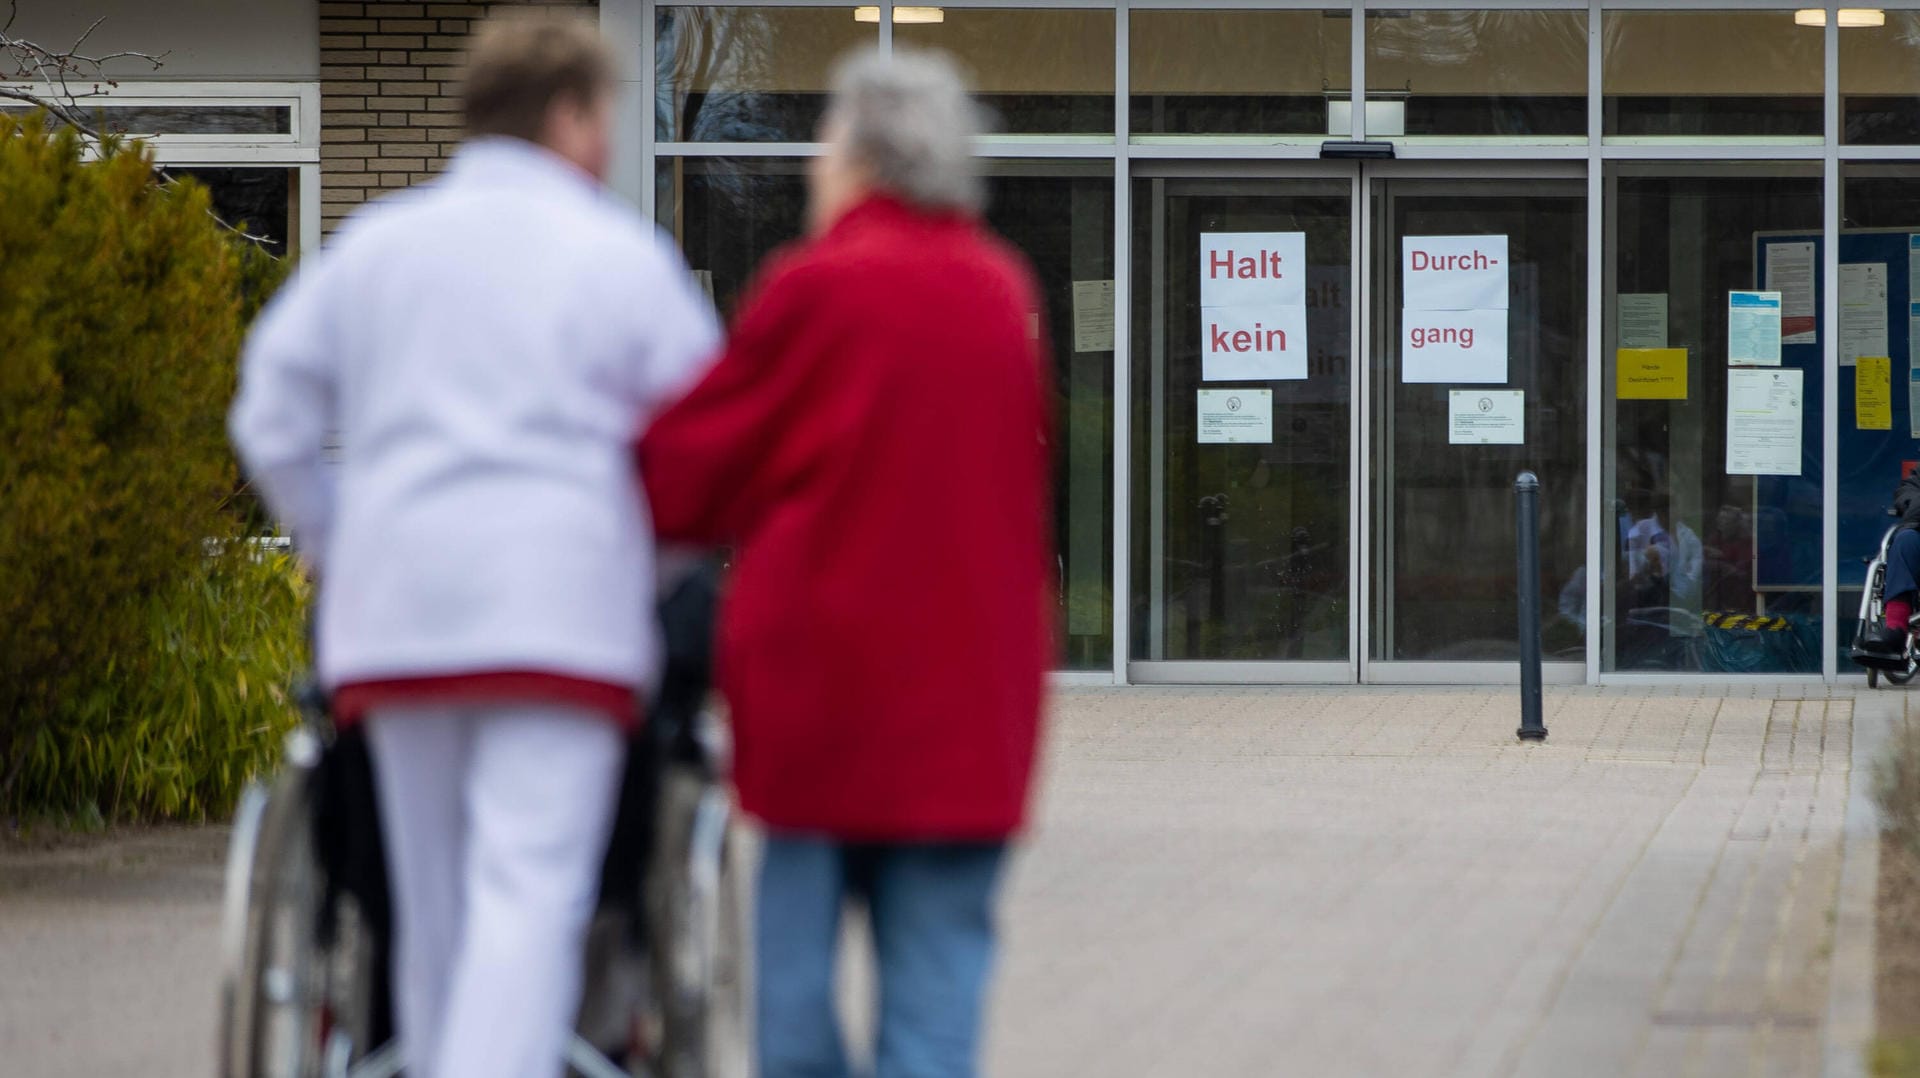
[871,13]
[1850,17]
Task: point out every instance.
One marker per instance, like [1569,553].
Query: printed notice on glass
[1790,273]
[1093,316]
[1763,421]
[1236,416]
[1913,402]
[1643,320]
[1913,268]
[1453,273]
[1486,417]
[1863,311]
[1253,306]
[1753,329]
[1461,347]
[1650,374]
[1913,368]
[1873,393]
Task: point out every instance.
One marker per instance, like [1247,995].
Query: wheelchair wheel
[295,1008]
[697,928]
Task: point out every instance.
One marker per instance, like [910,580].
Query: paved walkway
[1243,882]
[1252,883]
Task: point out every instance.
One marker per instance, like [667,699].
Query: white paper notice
[1093,316]
[1253,306]
[1790,273]
[1467,347]
[1236,416]
[1453,273]
[1486,417]
[1913,402]
[1913,269]
[1763,421]
[1643,320]
[1913,367]
[1753,329]
[1863,311]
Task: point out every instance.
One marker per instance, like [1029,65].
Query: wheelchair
[305,987]
[1898,669]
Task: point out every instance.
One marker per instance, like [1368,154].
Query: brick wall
[389,74]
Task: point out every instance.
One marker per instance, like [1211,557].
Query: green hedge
[139,674]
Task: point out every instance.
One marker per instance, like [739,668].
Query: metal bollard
[1526,496]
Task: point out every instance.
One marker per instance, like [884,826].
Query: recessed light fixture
[1849,17]
[871,13]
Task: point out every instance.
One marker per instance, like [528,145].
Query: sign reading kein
[1454,317]
[1253,306]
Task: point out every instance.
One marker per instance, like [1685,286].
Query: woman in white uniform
[484,347]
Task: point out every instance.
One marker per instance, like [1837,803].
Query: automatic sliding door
[1242,396]
[1479,371]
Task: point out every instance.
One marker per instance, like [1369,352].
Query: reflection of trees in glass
[746,74]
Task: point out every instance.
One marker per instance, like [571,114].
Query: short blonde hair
[521,62]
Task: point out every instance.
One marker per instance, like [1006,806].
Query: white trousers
[496,821]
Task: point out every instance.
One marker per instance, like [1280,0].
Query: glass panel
[729,214]
[178,119]
[259,199]
[1240,549]
[1880,81]
[1708,73]
[1041,72]
[748,74]
[1881,207]
[1443,551]
[1237,72]
[1705,570]
[1496,73]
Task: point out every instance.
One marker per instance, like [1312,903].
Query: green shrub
[122,307]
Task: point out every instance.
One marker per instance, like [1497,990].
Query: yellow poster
[1873,393]
[1651,374]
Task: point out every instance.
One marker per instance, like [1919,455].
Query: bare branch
[55,69]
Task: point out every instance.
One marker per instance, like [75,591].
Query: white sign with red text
[1453,273]
[1454,347]
[1453,320]
[1253,306]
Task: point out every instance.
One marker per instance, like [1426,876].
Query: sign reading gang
[1253,306]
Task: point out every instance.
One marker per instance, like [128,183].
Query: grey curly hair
[909,120]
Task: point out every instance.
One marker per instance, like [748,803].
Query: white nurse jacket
[486,348]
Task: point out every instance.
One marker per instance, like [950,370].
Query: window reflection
[748,74]
[730,214]
[1705,571]
[1489,73]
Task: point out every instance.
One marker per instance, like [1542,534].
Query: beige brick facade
[389,115]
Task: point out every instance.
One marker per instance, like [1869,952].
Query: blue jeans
[931,908]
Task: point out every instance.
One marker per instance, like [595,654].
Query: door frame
[1362,179]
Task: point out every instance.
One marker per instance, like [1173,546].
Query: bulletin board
[1870,461]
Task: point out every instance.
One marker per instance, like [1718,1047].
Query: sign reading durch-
[1253,306]
[1454,310]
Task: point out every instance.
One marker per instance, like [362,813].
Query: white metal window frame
[633,20]
[298,149]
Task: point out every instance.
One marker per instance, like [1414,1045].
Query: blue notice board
[1870,462]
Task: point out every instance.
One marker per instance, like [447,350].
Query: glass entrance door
[1243,429]
[1478,371]
[1300,516]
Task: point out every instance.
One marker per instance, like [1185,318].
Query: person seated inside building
[1902,586]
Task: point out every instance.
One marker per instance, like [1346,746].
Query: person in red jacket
[874,442]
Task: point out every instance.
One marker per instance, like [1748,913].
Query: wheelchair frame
[304,960]
[1900,669]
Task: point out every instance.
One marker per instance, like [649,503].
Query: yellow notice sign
[1873,393]
[1651,374]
